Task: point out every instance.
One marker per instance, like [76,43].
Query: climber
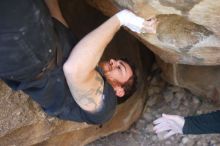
[35,47]
[200,124]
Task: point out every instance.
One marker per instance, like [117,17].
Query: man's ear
[119,91]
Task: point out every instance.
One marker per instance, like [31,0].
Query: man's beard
[106,68]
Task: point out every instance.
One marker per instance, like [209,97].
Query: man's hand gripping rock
[136,23]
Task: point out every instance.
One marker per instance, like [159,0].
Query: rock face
[200,80]
[187,32]
[187,42]
[22,122]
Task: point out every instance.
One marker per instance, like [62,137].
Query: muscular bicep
[88,94]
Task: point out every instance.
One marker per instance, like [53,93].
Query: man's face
[117,72]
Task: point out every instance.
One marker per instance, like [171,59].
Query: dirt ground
[163,98]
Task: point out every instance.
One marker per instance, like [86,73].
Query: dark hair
[130,85]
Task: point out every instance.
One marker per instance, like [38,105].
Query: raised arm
[86,85]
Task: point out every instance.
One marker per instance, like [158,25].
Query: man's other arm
[85,83]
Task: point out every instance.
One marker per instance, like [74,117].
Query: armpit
[89,96]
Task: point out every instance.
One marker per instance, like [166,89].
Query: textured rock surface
[22,122]
[200,80]
[188,30]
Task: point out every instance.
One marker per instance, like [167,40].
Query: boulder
[22,121]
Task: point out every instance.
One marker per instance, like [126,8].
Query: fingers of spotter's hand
[168,134]
[162,128]
[158,126]
[161,124]
[159,120]
[175,118]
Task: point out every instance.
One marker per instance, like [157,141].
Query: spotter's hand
[171,124]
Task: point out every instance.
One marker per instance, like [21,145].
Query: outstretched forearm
[87,53]
[202,124]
